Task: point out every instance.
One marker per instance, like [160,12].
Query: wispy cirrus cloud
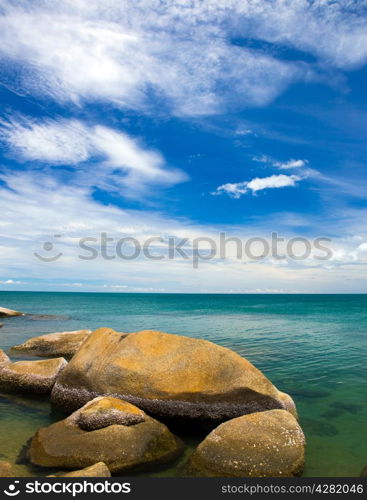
[282,165]
[237,189]
[189,58]
[119,162]
[290,164]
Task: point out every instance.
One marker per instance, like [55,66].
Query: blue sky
[178,118]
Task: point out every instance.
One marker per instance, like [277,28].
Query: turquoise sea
[312,346]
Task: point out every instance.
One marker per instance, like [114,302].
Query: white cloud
[290,164]
[181,52]
[236,190]
[11,282]
[57,142]
[273,181]
[120,162]
[282,165]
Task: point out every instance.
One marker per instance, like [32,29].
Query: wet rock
[265,444]
[8,313]
[169,376]
[37,377]
[97,470]
[59,344]
[38,404]
[120,446]
[47,317]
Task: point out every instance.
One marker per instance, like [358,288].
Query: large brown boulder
[123,444]
[37,377]
[165,375]
[8,313]
[97,470]
[265,444]
[59,344]
[6,469]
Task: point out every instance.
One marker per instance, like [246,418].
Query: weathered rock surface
[3,357]
[97,470]
[59,344]
[121,447]
[8,313]
[106,411]
[264,444]
[30,376]
[6,469]
[288,403]
[166,375]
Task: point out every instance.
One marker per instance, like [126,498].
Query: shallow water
[312,346]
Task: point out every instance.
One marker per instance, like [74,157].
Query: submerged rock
[3,357]
[36,377]
[64,344]
[364,472]
[120,446]
[8,313]
[97,470]
[319,427]
[346,407]
[166,375]
[47,317]
[6,469]
[308,393]
[338,408]
[265,444]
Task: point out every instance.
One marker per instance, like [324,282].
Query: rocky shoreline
[124,393]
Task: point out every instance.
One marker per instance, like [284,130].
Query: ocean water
[312,346]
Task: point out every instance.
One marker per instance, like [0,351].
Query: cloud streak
[236,190]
